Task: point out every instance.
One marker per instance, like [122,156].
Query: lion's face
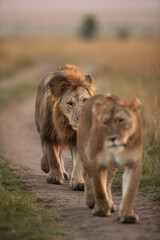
[118,123]
[71,103]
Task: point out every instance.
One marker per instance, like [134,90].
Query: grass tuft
[22,215]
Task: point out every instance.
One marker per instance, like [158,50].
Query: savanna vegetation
[127,67]
[22,214]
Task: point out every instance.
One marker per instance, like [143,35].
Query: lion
[60,96]
[110,137]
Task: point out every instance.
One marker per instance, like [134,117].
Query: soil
[21,144]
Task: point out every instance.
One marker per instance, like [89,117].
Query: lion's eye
[105,123]
[84,99]
[121,120]
[70,104]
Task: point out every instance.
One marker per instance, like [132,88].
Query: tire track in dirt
[21,144]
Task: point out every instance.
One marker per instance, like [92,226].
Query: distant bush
[89,27]
[123,33]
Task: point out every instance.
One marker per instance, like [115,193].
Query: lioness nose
[112,138]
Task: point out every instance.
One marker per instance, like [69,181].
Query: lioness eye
[84,99]
[70,104]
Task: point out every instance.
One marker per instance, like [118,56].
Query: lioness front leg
[103,203]
[77,181]
[89,190]
[56,173]
[131,179]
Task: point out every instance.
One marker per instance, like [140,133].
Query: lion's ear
[89,79]
[56,84]
[135,105]
[97,108]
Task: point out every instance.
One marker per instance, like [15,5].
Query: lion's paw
[113,208]
[102,210]
[66,175]
[55,180]
[90,201]
[129,219]
[77,185]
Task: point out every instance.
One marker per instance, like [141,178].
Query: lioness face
[118,124]
[71,103]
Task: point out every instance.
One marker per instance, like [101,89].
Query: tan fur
[60,96]
[110,137]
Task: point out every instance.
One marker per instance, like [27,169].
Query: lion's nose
[112,138]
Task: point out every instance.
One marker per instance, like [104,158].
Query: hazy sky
[66,15]
[82,5]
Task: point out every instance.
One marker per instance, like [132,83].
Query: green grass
[22,214]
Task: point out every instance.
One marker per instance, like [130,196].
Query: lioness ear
[97,108]
[135,105]
[89,79]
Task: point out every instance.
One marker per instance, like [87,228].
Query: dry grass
[131,56]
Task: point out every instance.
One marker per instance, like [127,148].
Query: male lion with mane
[60,96]
[109,137]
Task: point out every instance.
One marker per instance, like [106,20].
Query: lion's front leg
[110,175]
[103,203]
[77,181]
[131,179]
[56,173]
[44,160]
[65,174]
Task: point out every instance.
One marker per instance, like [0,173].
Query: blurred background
[20,17]
[116,41]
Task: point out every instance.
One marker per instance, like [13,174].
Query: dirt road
[22,146]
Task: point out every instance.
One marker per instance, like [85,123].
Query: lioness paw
[78,187]
[129,219]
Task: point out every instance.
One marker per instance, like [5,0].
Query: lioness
[109,137]
[60,97]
